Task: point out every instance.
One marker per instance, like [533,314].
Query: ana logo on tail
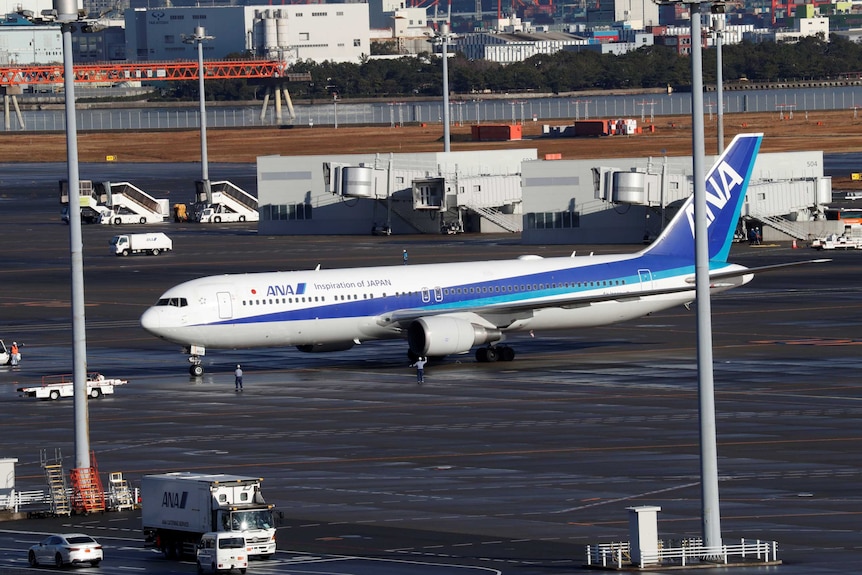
[718,193]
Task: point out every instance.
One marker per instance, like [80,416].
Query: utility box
[7,483]
[643,534]
[496,132]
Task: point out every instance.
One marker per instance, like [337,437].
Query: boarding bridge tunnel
[786,205]
[495,198]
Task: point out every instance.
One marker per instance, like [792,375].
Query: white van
[222,551]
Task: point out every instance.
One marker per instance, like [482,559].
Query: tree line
[812,58]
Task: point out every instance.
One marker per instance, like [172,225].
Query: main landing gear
[196,369]
[495,353]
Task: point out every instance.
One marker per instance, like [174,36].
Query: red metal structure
[134,71]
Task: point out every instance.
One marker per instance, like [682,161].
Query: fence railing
[466,110]
[683,553]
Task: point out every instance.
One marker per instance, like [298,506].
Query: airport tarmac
[509,468]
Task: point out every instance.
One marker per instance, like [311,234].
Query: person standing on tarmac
[14,354]
[238,378]
[404,257]
[420,369]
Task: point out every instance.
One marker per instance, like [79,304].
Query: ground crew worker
[238,378]
[420,369]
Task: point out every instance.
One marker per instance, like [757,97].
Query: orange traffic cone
[794,244]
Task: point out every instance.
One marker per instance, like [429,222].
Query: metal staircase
[87,493]
[514,225]
[798,230]
[120,495]
[56,480]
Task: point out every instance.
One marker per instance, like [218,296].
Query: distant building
[803,27]
[317,32]
[22,42]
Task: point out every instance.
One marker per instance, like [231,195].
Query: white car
[65,549]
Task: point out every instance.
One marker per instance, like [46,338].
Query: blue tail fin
[726,185]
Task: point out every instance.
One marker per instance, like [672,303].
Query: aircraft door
[438,294]
[426,295]
[225,308]
[646,279]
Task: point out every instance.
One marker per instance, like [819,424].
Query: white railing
[16,499]
[20,500]
[682,553]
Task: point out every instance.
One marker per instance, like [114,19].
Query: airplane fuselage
[326,307]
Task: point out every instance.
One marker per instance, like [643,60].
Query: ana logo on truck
[175,500]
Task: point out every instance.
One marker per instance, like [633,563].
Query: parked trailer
[153,243]
[56,386]
[179,508]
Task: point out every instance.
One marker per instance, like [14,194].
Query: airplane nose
[150,320]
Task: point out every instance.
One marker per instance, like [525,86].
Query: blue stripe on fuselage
[605,277]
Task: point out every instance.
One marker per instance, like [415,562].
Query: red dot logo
[253,291]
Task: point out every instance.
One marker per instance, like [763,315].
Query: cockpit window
[173,301]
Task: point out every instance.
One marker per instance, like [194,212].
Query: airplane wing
[503,314]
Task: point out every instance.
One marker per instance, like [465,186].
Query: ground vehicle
[5,355]
[851,239]
[217,213]
[153,243]
[221,552]
[837,242]
[56,386]
[119,215]
[88,215]
[178,508]
[65,549]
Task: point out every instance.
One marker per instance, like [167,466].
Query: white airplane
[449,308]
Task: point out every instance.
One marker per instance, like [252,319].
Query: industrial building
[318,32]
[549,201]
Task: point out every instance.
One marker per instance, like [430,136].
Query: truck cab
[218,552]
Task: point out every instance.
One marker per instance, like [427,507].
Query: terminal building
[547,201]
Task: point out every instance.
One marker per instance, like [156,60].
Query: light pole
[717,10]
[199,37]
[335,108]
[67,15]
[710,514]
[443,38]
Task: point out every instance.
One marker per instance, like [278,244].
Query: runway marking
[810,341]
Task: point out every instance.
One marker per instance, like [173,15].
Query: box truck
[178,508]
[154,243]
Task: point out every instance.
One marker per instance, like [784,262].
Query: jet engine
[441,335]
[325,347]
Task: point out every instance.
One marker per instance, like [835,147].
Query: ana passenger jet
[449,308]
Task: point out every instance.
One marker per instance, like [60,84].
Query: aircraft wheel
[482,354]
[492,354]
[196,370]
[506,353]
